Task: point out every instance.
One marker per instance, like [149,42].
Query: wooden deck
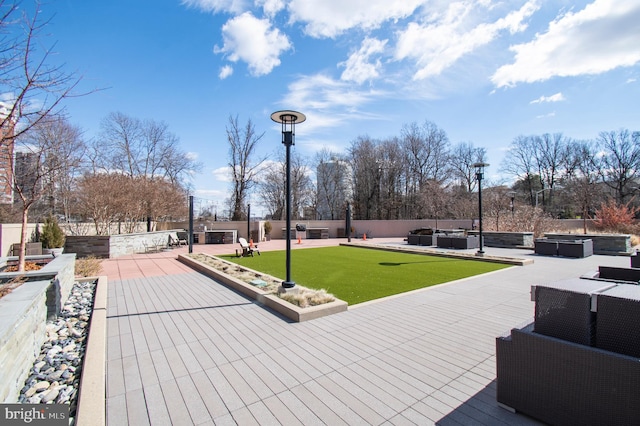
[183,350]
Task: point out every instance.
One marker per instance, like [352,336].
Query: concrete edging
[432,252]
[283,307]
[91,409]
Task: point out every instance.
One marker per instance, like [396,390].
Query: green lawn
[357,275]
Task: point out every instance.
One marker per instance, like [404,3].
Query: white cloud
[439,43]
[601,37]
[233,6]
[254,41]
[328,103]
[271,7]
[329,18]
[631,80]
[225,72]
[320,91]
[558,97]
[358,67]
[550,115]
[222,174]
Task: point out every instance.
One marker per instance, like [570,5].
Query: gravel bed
[55,375]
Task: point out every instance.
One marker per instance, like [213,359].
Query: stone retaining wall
[607,244]
[23,316]
[117,245]
[88,245]
[505,239]
[60,272]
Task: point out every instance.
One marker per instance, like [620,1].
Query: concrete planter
[23,317]
[279,305]
[60,272]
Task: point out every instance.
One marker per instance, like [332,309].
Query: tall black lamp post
[249,222]
[512,194]
[479,176]
[288,119]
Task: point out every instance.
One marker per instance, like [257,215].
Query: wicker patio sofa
[578,362]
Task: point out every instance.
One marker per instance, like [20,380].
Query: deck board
[184,349]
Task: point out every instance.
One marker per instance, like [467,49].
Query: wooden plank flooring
[185,350]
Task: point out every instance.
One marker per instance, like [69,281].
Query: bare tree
[243,162]
[34,88]
[434,198]
[520,162]
[621,162]
[427,151]
[133,200]
[550,153]
[65,164]
[581,181]
[272,190]
[463,156]
[140,148]
[392,171]
[42,157]
[366,177]
[272,186]
[498,203]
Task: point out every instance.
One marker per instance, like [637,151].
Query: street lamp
[479,176]
[512,194]
[288,119]
[249,222]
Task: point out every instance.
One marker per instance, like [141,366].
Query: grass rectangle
[357,275]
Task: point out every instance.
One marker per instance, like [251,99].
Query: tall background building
[6,163]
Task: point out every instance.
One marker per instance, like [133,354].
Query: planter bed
[272,301]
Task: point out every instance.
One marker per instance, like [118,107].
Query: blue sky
[484,71]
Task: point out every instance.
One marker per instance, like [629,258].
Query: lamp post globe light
[288,119]
[479,176]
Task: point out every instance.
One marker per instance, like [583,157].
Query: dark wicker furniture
[545,247]
[578,363]
[576,248]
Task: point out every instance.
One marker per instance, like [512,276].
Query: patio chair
[183,238]
[178,240]
[248,249]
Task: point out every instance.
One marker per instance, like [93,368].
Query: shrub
[267,227]
[88,267]
[52,235]
[614,217]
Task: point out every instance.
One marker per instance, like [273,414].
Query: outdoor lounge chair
[248,249]
[183,238]
[179,239]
